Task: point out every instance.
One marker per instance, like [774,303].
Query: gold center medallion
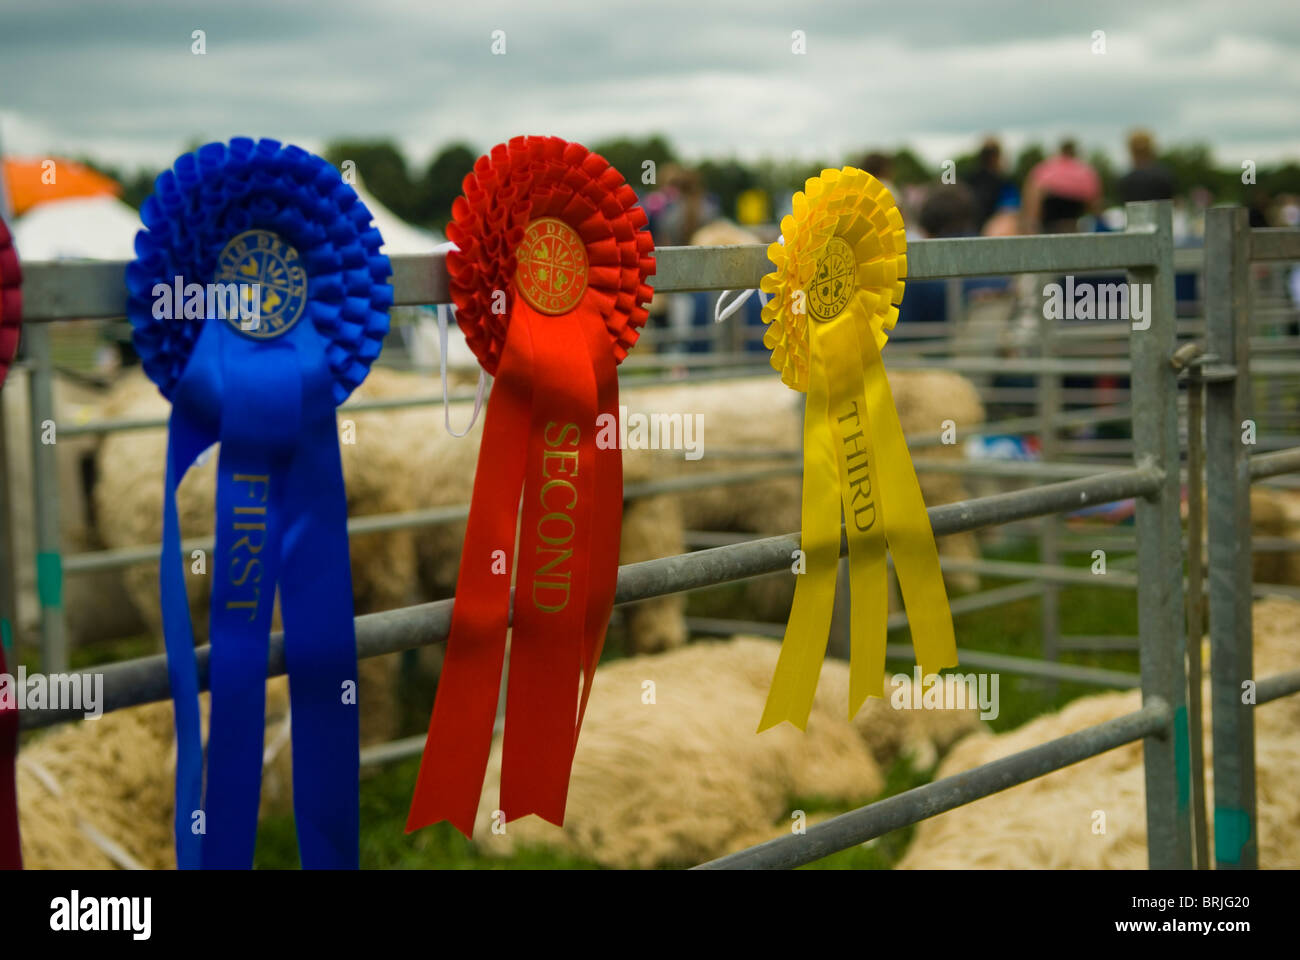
[834,281]
[269,281]
[552,266]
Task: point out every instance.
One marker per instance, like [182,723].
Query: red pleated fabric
[11,312]
[11,301]
[549,281]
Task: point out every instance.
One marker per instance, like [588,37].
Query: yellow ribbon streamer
[799,664]
[844,245]
[908,530]
[865,521]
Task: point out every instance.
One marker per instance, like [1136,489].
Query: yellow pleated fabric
[838,278]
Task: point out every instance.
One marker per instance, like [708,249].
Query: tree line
[423,196]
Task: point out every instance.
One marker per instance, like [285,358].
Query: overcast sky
[118,80]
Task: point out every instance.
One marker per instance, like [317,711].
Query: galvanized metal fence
[1168,722]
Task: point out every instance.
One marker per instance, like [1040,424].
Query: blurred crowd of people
[1062,193]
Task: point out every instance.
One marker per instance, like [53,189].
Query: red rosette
[11,311]
[549,279]
[528,179]
[11,301]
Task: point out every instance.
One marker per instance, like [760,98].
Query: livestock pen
[1169,720]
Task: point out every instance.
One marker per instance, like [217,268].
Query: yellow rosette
[839,275]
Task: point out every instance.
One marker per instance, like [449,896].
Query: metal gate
[1169,721]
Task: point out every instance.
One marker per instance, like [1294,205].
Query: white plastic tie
[442,365]
[721,313]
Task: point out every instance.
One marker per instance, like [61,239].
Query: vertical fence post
[1196,605]
[1228,404]
[1160,557]
[45,489]
[1050,406]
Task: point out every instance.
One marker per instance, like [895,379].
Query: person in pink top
[1059,190]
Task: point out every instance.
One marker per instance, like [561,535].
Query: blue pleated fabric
[266,390]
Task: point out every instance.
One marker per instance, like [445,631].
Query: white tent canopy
[79,228]
[104,228]
[399,236]
[420,335]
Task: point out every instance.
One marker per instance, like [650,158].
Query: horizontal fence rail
[89,291]
[867,823]
[144,680]
[99,560]
[95,291]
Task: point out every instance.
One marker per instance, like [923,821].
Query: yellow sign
[752,207]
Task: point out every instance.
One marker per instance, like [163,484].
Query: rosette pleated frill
[838,279]
[259,300]
[11,313]
[11,301]
[549,280]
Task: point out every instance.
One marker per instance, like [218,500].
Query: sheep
[669,771]
[75,402]
[759,414]
[1052,822]
[404,460]
[1276,513]
[679,778]
[128,500]
[98,794]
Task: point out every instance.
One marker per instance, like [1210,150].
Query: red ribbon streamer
[553,583]
[11,856]
[11,302]
[555,373]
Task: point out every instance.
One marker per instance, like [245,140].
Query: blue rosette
[259,300]
[222,191]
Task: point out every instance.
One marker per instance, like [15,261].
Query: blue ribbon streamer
[268,396]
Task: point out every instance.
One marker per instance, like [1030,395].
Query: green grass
[883,852]
[385,800]
[1015,629]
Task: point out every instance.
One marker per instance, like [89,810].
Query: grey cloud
[716,78]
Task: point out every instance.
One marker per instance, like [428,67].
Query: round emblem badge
[834,282]
[552,266]
[271,284]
